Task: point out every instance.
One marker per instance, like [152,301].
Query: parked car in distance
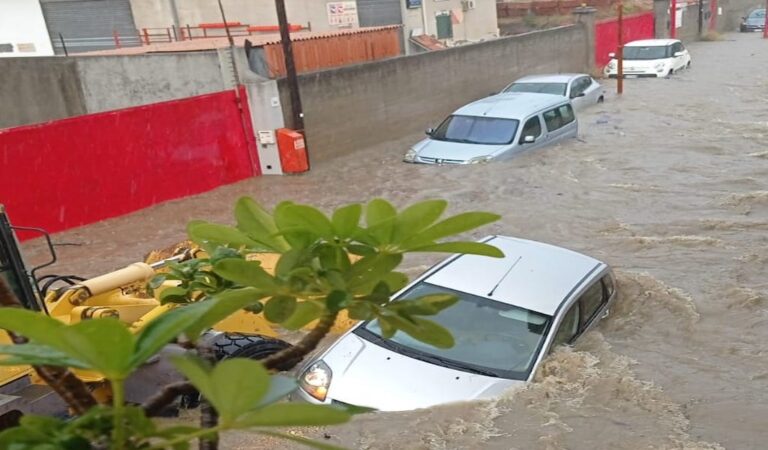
[497,127]
[581,88]
[512,312]
[755,21]
[650,58]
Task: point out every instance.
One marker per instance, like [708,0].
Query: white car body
[582,89]
[512,311]
[650,58]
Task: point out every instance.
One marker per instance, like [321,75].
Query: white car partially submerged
[511,313]
[650,58]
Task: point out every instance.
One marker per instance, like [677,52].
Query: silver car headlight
[410,155]
[480,159]
[316,380]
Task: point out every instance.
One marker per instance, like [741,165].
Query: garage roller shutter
[375,13]
[88,25]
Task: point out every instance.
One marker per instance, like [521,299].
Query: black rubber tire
[235,345]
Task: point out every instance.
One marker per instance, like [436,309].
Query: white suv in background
[650,58]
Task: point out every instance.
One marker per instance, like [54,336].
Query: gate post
[661,19]
[586,16]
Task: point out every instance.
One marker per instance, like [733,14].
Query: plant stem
[118,424]
[287,359]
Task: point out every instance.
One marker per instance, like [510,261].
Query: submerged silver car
[511,312]
[582,89]
[497,127]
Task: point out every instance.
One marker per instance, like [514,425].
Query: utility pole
[290,67]
[673,20]
[620,52]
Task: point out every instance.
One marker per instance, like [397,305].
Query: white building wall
[469,25]
[23,30]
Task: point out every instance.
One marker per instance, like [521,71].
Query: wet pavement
[668,184]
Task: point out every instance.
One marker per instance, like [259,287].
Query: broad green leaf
[293,414]
[307,217]
[220,306]
[279,388]
[423,306]
[300,440]
[305,313]
[361,250]
[292,228]
[32,325]
[35,354]
[157,281]
[393,280]
[387,328]
[279,308]
[233,387]
[165,328]
[174,295]
[449,227]
[426,331]
[379,210]
[467,248]
[332,257]
[207,233]
[289,261]
[247,273]
[360,310]
[255,221]
[347,219]
[337,300]
[417,217]
[105,344]
[369,270]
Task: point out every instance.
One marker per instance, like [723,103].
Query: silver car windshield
[653,52]
[541,88]
[492,338]
[476,130]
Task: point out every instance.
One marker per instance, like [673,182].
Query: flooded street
[668,184]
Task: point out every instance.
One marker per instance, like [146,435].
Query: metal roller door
[88,25]
[375,13]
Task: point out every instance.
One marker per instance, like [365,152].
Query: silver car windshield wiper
[451,364]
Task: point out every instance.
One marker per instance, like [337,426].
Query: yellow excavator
[121,294]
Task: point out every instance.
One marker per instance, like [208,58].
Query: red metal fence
[336,50]
[639,26]
[75,171]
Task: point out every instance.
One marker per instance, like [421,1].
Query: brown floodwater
[668,184]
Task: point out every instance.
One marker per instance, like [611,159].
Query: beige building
[451,21]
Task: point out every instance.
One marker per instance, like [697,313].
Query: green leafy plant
[327,264]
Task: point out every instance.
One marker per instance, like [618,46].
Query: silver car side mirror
[429,131]
[606,313]
[529,139]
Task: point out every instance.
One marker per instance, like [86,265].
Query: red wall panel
[636,27]
[75,171]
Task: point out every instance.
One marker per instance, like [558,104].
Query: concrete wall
[164,13]
[728,19]
[39,89]
[354,107]
[114,82]
[43,89]
[23,27]
[475,25]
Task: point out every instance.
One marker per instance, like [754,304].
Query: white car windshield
[476,130]
[541,88]
[492,338]
[651,52]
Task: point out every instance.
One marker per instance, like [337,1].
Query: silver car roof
[551,78]
[510,105]
[532,275]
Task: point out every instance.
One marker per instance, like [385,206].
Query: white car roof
[651,43]
[532,275]
[551,78]
[510,105]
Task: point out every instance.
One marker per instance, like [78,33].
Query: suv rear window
[559,117]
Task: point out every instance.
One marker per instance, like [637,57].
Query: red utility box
[293,152]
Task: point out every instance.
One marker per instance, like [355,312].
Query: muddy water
[667,184]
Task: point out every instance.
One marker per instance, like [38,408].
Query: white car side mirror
[679,53]
[611,55]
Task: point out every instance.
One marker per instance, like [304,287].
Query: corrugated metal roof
[258,40]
